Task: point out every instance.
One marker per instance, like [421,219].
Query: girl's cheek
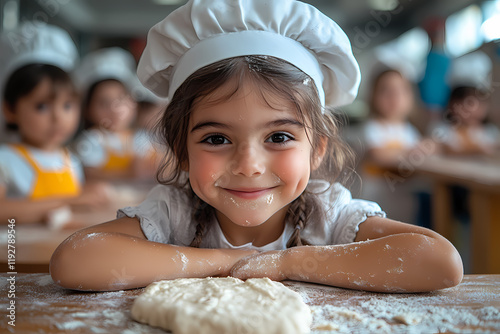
[291,164]
[205,168]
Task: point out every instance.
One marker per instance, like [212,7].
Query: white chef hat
[473,69]
[108,63]
[203,32]
[142,94]
[36,43]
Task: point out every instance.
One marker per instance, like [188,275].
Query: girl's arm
[24,210]
[388,256]
[27,211]
[98,174]
[116,255]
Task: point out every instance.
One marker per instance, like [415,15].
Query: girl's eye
[216,140]
[42,106]
[68,105]
[279,138]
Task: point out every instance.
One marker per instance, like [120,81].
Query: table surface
[476,170]
[44,307]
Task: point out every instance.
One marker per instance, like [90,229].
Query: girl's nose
[248,161]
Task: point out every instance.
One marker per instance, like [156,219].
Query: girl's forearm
[114,261]
[397,263]
[28,211]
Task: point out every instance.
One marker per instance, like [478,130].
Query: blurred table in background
[35,243]
[481,176]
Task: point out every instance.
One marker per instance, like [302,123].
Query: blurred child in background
[149,108]
[467,132]
[38,174]
[107,146]
[389,139]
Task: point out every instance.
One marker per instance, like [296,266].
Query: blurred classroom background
[424,126]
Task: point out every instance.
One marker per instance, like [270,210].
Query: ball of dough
[222,305]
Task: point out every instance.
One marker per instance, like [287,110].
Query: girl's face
[111,107]
[471,111]
[393,98]
[46,119]
[248,158]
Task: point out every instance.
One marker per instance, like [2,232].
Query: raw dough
[222,305]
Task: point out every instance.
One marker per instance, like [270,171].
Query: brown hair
[273,75]
[459,96]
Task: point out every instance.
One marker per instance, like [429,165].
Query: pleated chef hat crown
[203,32]
[36,43]
[108,63]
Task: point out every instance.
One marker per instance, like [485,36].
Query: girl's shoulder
[330,194]
[6,150]
[171,195]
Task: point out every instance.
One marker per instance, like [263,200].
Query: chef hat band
[245,43]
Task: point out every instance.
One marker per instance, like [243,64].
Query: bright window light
[490,29]
[463,31]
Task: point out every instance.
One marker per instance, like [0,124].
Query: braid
[299,213]
[202,214]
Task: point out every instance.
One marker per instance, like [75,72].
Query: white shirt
[166,217]
[485,136]
[379,135]
[91,146]
[17,175]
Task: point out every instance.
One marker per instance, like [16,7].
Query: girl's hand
[94,195]
[267,264]
[229,257]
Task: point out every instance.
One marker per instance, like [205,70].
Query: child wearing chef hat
[255,163]
[38,174]
[108,146]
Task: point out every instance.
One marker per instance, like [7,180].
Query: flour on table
[222,305]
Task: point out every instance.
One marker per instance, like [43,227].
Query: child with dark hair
[467,131]
[38,174]
[108,146]
[249,125]
[388,139]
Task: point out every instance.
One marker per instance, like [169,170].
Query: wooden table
[35,243]
[44,307]
[481,175]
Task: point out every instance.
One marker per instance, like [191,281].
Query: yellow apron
[46,184]
[375,170]
[120,161]
[467,143]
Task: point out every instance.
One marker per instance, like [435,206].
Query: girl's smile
[250,193]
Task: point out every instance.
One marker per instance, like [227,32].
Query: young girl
[246,127]
[389,139]
[108,147]
[467,133]
[38,174]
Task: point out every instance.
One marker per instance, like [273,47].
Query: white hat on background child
[33,43]
[473,69]
[108,63]
[142,94]
[203,32]
[36,43]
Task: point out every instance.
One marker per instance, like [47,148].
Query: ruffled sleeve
[342,215]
